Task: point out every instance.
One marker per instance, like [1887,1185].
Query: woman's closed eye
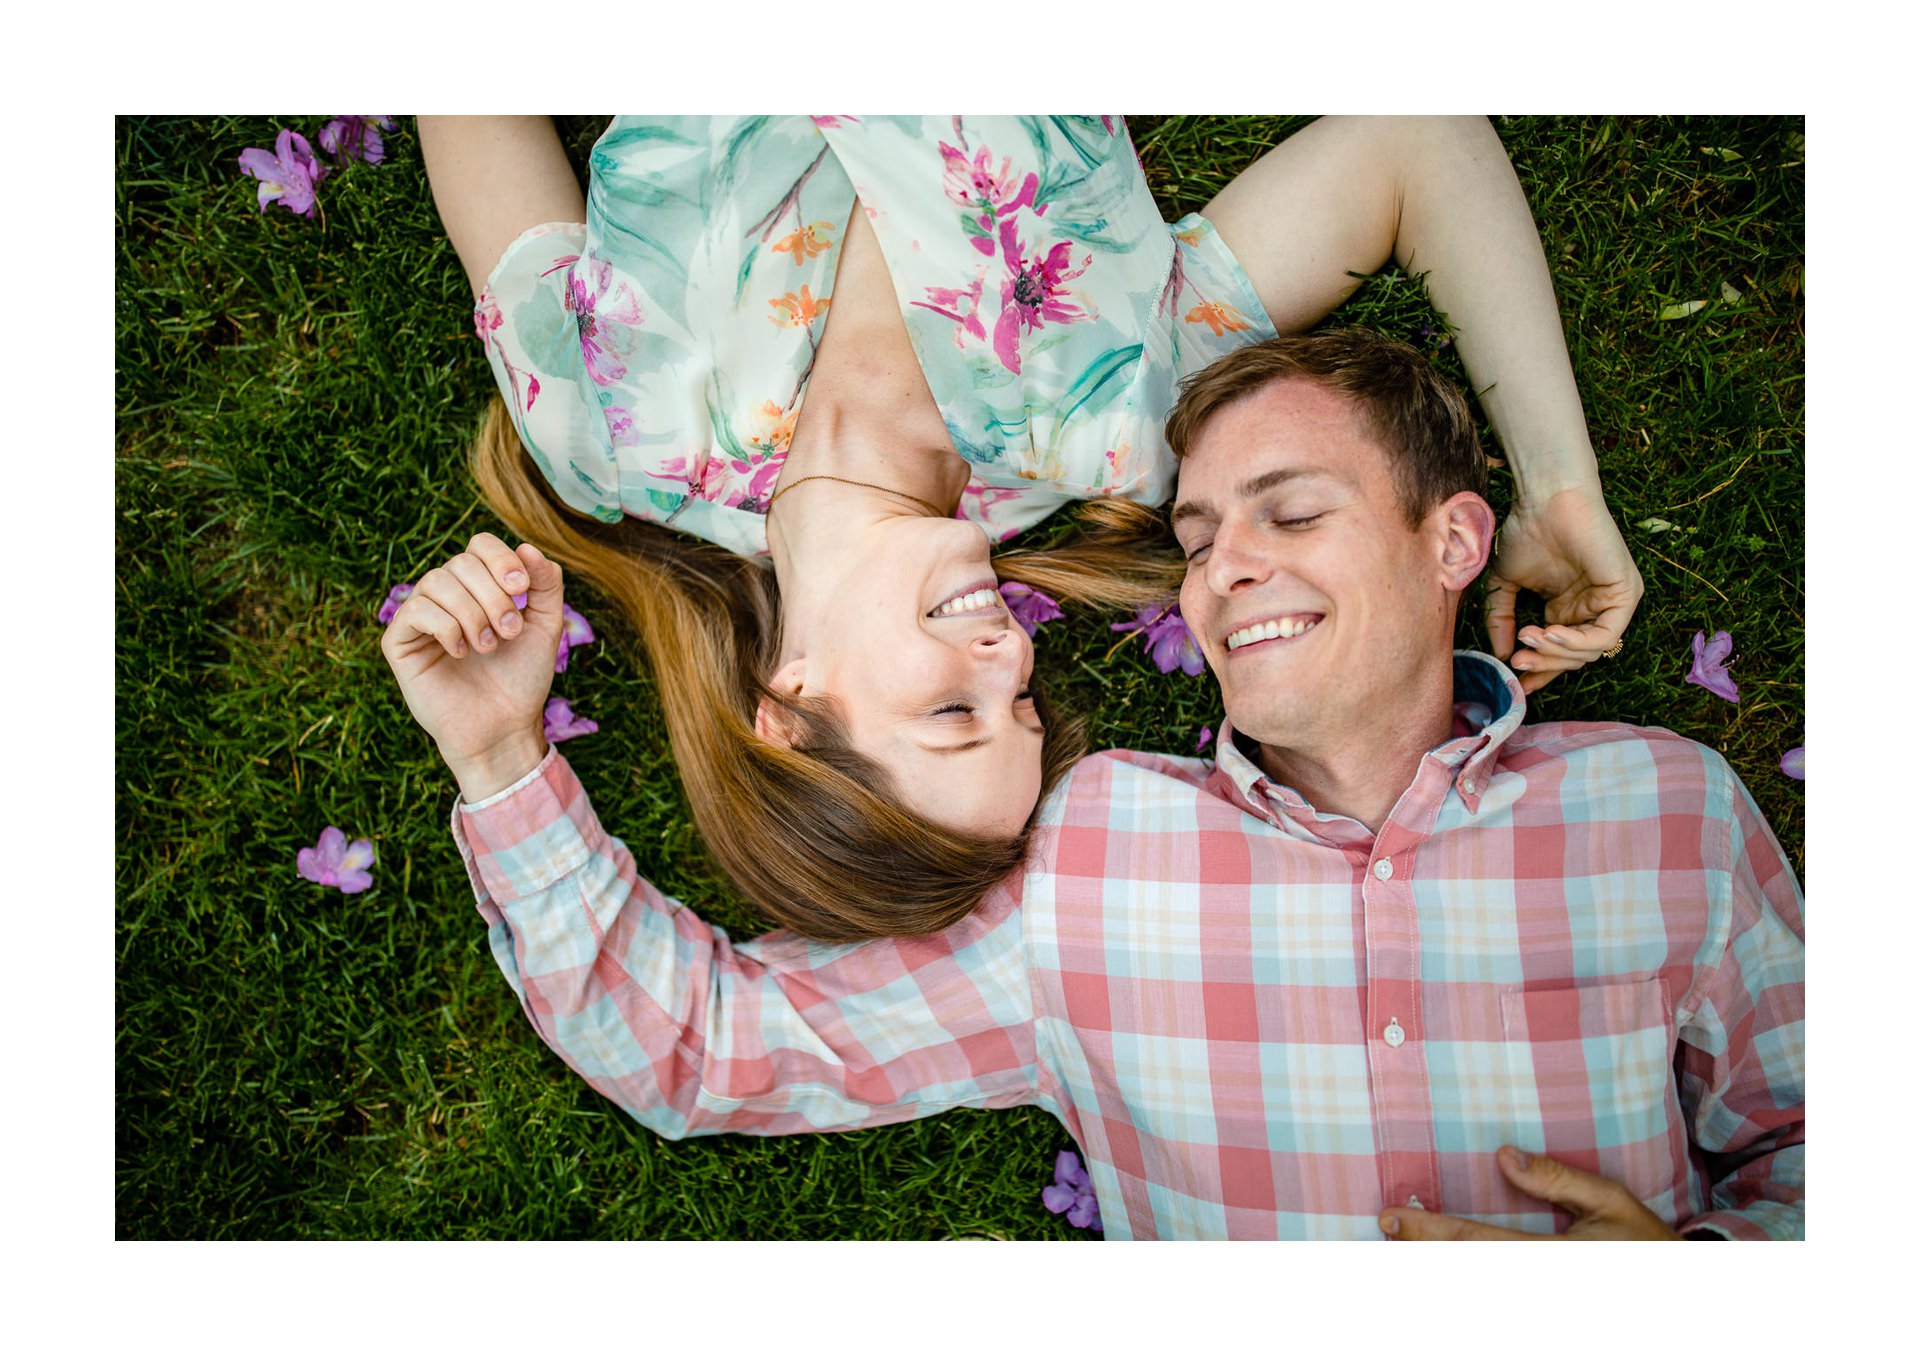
[959,708]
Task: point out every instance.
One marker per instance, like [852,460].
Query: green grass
[293,402]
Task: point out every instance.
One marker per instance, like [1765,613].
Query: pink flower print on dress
[987,194]
[1034,292]
[559,723]
[288,175]
[761,478]
[605,314]
[960,305]
[621,430]
[336,862]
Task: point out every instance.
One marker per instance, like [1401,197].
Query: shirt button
[1469,786]
[1394,1035]
[1384,868]
[1413,1202]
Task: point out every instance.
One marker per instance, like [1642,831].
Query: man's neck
[1363,773]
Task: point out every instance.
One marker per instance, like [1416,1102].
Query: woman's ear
[770,720]
[1464,539]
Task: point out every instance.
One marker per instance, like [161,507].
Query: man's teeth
[1272,630]
[968,602]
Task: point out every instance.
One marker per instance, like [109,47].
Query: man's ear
[1463,536]
[771,720]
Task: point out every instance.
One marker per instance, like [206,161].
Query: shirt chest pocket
[1590,1080]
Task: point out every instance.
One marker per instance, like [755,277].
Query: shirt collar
[1477,678]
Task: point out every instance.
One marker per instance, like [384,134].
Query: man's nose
[1236,560]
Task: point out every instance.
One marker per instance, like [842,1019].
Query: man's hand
[1601,1207]
[473,667]
[1569,551]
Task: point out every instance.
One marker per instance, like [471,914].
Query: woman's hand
[1568,550]
[474,669]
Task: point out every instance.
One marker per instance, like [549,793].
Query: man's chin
[1266,726]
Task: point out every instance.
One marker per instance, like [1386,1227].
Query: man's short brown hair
[1419,417]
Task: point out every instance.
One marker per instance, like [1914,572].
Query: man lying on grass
[1397,964]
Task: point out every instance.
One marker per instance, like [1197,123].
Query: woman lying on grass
[998,330]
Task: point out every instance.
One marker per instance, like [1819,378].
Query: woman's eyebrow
[957,748]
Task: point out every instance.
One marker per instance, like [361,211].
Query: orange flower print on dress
[773,429]
[800,308]
[1218,316]
[806,242]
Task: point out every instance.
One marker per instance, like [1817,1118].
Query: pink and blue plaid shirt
[1256,1021]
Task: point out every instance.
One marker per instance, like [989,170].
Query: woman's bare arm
[493,178]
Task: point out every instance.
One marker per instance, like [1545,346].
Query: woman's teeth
[976,601]
[1283,628]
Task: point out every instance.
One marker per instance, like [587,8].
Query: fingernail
[509,623]
[1521,1159]
[1389,1224]
[486,637]
[516,578]
[1531,642]
[1522,664]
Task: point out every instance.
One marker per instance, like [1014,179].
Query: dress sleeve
[691,1033]
[525,320]
[1743,1053]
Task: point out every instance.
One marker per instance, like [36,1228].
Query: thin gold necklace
[934,509]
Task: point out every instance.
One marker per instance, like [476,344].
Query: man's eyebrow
[1246,489]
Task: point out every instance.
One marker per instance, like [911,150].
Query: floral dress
[656,358]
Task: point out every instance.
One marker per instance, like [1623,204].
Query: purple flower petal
[1710,659]
[560,723]
[1059,1199]
[1029,606]
[574,626]
[332,847]
[336,862]
[288,175]
[1085,1213]
[1067,1170]
[1794,762]
[357,857]
[1169,643]
[1206,738]
[396,595]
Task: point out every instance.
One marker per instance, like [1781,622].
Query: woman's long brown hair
[813,835]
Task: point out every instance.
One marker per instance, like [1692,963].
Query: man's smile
[1289,626]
